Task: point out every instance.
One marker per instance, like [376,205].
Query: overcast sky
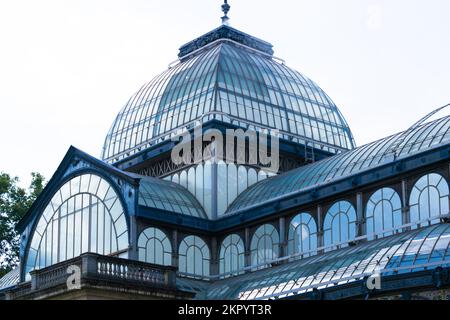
[68,66]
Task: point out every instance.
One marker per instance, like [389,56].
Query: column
[133,248]
[320,241]
[175,248]
[214,182]
[405,205]
[361,221]
[214,257]
[247,258]
[283,240]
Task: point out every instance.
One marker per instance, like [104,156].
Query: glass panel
[242,179]
[252,177]
[222,188]
[232,183]
[199,184]
[207,180]
[191,181]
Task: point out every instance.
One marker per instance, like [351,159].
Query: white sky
[68,66]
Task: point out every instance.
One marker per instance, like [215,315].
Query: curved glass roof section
[233,83]
[406,252]
[168,196]
[424,137]
[10,279]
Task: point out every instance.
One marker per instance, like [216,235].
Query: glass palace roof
[231,77]
[168,196]
[424,137]
[10,279]
[406,252]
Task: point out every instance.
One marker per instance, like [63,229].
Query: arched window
[429,198]
[231,254]
[302,235]
[339,224]
[264,245]
[383,212]
[154,247]
[84,215]
[194,256]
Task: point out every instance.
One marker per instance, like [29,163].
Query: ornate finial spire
[225,8]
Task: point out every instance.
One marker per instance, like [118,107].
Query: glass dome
[233,79]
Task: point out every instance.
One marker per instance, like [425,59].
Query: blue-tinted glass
[81,221]
[250,87]
[171,197]
[411,249]
[339,166]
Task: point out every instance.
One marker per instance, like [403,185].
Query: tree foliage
[14,204]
